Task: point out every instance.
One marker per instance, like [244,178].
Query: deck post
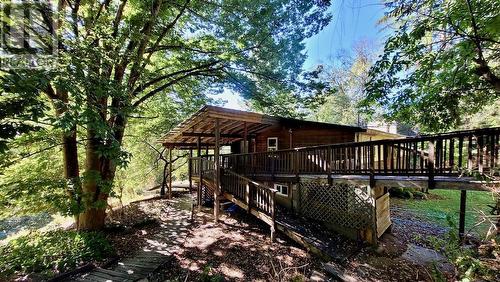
[273,216]
[431,160]
[245,138]
[170,173]
[248,197]
[461,221]
[217,170]
[329,165]
[190,171]
[296,155]
[372,165]
[200,174]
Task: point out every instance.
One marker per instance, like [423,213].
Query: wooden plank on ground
[116,274]
[105,276]
[91,277]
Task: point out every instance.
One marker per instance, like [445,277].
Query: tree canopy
[115,57]
[346,86]
[440,64]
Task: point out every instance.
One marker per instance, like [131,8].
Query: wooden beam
[237,116]
[206,134]
[230,125]
[256,127]
[184,144]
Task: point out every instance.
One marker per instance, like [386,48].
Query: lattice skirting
[339,204]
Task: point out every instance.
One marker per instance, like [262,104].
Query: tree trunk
[94,214]
[100,173]
[92,219]
[59,99]
[72,171]
[164,180]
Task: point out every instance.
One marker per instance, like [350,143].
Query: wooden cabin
[331,173]
[247,132]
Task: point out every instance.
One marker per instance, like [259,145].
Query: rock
[427,257]
[32,277]
[339,273]
[318,276]
[486,250]
[380,249]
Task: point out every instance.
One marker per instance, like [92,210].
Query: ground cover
[441,204]
[41,255]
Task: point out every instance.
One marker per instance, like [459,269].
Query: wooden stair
[254,197]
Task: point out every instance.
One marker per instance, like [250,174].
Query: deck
[443,160]
[465,160]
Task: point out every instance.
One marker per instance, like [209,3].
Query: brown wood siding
[302,137]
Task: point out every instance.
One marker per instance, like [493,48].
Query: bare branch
[168,84]
[170,75]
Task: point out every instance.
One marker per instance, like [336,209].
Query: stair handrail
[255,195]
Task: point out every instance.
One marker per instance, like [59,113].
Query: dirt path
[157,224]
[238,248]
[152,240]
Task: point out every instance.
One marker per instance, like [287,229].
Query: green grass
[443,203]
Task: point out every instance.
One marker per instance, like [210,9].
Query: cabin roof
[385,134]
[233,124]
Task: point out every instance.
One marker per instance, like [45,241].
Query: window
[282,189]
[272,143]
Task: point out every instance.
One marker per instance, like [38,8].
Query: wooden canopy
[234,125]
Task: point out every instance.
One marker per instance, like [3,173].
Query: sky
[353,21]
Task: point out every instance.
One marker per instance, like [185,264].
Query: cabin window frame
[272,148]
[279,188]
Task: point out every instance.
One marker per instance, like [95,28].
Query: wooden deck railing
[252,194]
[448,154]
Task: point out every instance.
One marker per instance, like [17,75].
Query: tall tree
[441,63]
[114,56]
[346,81]
[296,101]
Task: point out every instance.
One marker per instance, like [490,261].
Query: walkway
[157,251]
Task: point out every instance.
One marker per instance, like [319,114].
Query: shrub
[464,259]
[51,252]
[419,195]
[399,192]
[207,276]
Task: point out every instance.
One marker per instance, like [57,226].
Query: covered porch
[204,135]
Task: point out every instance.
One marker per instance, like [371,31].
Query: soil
[238,248]
[411,229]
